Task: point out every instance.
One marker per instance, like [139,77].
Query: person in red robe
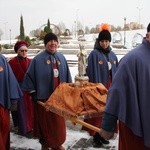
[10,94]
[128,100]
[23,117]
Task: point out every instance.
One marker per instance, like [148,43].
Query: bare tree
[87,30]
[1,33]
[36,33]
[62,27]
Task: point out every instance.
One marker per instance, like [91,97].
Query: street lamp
[124,31]
[139,9]
[75,29]
[10,35]
[77,23]
[5,23]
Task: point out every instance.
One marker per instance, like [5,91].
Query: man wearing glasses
[23,117]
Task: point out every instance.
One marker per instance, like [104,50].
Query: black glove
[34,97]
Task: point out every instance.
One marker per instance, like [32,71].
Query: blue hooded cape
[97,69]
[9,87]
[129,95]
[39,76]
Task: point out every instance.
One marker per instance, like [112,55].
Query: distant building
[135,25]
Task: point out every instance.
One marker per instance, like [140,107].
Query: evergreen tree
[47,28]
[48,24]
[22,35]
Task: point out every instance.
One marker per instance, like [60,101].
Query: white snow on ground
[74,133]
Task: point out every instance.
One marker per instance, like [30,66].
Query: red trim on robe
[29,111]
[4,129]
[56,79]
[129,141]
[21,65]
[50,127]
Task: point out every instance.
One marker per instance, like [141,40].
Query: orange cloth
[96,121]
[87,99]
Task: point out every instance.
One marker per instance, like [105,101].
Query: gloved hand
[34,97]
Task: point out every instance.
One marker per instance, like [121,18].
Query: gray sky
[88,12]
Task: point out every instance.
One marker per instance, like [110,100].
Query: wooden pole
[76,120]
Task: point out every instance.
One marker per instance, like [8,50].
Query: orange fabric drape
[87,100]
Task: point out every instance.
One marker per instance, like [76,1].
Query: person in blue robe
[10,93]
[46,71]
[102,65]
[128,100]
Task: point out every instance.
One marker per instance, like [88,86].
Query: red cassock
[5,128]
[128,140]
[25,110]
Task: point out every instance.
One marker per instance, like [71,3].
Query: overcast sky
[89,12]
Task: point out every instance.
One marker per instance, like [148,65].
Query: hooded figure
[102,65]
[148,28]
[47,70]
[128,100]
[10,94]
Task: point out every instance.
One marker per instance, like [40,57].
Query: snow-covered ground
[76,139]
[130,38]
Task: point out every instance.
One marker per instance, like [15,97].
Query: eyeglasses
[23,50]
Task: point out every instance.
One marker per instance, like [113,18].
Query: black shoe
[103,140]
[29,134]
[96,142]
[99,138]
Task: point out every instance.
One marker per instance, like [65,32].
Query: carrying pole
[74,119]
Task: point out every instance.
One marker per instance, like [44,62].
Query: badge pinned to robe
[1,69]
[114,62]
[100,62]
[48,62]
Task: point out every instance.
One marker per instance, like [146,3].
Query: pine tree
[22,35]
[47,28]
